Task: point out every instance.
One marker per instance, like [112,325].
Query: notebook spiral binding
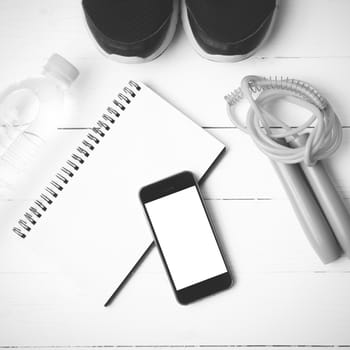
[78,158]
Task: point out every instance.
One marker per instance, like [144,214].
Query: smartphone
[185,237]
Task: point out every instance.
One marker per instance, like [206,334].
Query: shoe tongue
[128,20]
[230,20]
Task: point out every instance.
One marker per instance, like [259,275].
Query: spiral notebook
[88,217]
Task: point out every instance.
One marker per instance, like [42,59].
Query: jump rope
[297,153]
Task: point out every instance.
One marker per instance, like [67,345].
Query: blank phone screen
[185,237]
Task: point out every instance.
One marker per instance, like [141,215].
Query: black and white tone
[108,108]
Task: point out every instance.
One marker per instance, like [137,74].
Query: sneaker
[227,30]
[132,31]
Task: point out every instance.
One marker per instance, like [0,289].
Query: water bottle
[29,114]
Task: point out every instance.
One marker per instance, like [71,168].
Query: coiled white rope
[321,134]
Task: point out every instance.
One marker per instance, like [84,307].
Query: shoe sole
[221,58]
[135,59]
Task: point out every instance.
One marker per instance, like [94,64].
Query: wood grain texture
[185,346]
[283,297]
[242,172]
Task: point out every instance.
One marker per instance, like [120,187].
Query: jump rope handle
[308,210]
[316,202]
[331,203]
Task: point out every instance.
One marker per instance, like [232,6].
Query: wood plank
[285,287]
[243,172]
[195,347]
[194,85]
[304,308]
[259,236]
[200,96]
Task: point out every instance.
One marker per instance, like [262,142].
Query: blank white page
[96,229]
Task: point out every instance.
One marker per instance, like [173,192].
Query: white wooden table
[283,296]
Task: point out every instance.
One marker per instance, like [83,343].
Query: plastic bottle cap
[61,68]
